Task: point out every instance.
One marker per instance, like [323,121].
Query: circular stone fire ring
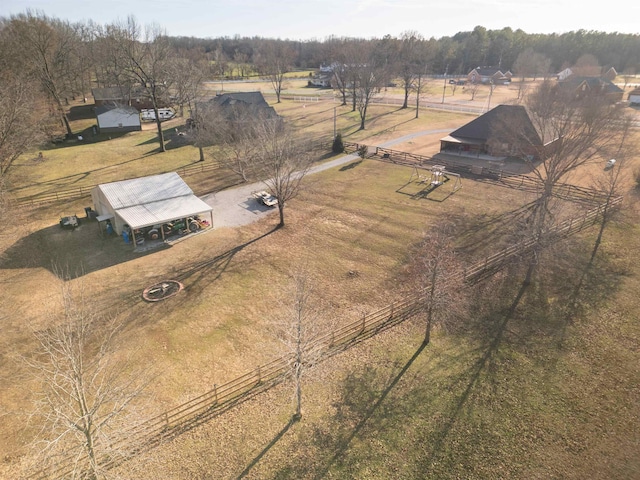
[162,290]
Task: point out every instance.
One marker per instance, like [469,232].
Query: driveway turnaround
[237,206]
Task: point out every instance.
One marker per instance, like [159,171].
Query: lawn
[533,398]
[480,402]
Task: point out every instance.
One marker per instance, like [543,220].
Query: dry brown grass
[348,220]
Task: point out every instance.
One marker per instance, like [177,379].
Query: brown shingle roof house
[486,135]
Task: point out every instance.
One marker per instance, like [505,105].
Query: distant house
[487,75]
[116,119]
[582,86]
[323,80]
[610,74]
[588,71]
[236,103]
[135,97]
[634,97]
[486,135]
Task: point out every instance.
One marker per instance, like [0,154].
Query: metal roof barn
[147,201]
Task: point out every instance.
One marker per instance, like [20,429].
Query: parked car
[265,198]
[610,163]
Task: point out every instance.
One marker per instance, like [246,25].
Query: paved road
[236,206]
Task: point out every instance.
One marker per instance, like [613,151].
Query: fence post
[391,315]
[364,318]
[259,375]
[166,418]
[215,393]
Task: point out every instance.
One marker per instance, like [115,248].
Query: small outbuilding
[118,119]
[141,204]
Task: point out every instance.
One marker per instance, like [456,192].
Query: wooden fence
[222,397]
[79,192]
[563,191]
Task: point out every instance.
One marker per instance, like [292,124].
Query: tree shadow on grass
[344,443]
[198,275]
[351,165]
[81,251]
[266,449]
[473,375]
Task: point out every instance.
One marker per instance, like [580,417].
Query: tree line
[458,54]
[48,62]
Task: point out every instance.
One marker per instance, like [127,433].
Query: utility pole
[491,87]
[444,88]
[334,122]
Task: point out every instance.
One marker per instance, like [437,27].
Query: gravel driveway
[236,206]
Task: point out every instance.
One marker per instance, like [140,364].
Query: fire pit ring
[162,290]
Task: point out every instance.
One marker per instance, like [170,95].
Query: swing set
[437,176]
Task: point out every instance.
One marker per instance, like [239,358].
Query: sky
[319,19]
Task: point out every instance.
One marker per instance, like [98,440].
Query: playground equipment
[437,176]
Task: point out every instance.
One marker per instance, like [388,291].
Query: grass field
[535,397]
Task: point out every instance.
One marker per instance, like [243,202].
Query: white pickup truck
[265,198]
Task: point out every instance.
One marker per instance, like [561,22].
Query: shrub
[338,145]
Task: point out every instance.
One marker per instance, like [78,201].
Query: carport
[133,205]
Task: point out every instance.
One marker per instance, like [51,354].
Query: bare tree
[409,64]
[281,160]
[275,61]
[85,387]
[234,130]
[298,330]
[145,57]
[569,132]
[438,280]
[43,47]
[82,60]
[368,79]
[472,89]
[424,55]
[242,61]
[339,52]
[22,118]
[188,76]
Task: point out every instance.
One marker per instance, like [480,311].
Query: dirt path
[236,206]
